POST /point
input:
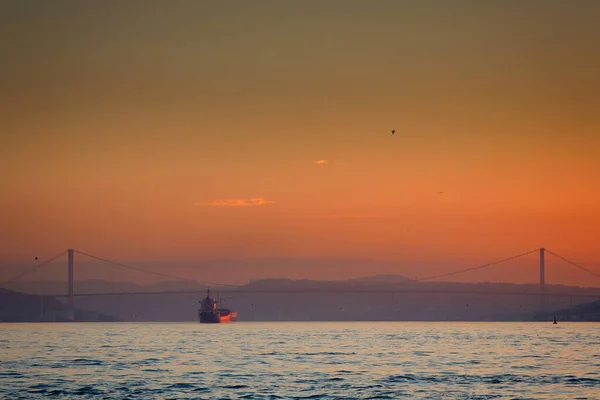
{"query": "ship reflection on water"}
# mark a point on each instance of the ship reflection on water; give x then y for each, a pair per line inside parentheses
(212, 312)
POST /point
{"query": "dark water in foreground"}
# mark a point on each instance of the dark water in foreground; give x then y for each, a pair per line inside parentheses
(300, 360)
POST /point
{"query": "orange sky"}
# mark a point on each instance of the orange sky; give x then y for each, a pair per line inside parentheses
(145, 131)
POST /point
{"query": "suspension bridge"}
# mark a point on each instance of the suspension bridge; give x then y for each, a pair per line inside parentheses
(397, 288)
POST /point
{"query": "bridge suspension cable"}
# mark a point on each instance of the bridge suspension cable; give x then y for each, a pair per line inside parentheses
(239, 286)
(596, 274)
(35, 268)
(151, 272)
(429, 278)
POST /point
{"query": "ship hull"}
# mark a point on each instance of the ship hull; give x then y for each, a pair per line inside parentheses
(209, 318)
(225, 318)
(214, 318)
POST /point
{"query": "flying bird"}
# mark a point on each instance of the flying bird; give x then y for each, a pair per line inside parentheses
(440, 192)
(36, 258)
(393, 131)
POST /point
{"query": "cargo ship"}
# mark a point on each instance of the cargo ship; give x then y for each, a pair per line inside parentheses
(210, 311)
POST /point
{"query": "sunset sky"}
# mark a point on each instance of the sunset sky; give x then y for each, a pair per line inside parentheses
(170, 132)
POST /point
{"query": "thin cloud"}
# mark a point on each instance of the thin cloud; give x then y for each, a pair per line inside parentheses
(320, 162)
(254, 201)
(349, 216)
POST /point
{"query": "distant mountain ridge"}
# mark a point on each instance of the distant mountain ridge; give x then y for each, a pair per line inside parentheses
(103, 286)
(371, 282)
(376, 297)
(589, 311)
(100, 286)
(21, 307)
(389, 278)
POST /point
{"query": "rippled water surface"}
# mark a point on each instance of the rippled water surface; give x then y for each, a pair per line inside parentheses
(300, 360)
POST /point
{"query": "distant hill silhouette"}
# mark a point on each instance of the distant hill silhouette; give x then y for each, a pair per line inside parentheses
(99, 286)
(382, 279)
(581, 312)
(376, 297)
(21, 307)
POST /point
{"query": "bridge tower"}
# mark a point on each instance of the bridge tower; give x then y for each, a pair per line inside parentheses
(542, 278)
(71, 257)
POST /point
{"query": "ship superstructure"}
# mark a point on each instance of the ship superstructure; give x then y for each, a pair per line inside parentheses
(211, 312)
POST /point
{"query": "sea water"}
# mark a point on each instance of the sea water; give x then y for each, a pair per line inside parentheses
(300, 360)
